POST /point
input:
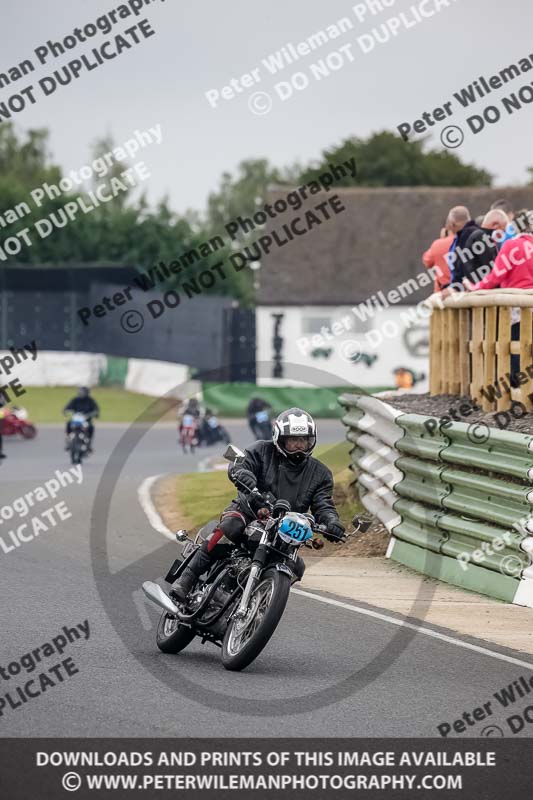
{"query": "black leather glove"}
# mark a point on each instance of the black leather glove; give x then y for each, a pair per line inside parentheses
(244, 478)
(335, 532)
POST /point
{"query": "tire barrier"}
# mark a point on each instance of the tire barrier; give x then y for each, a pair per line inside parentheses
(458, 505)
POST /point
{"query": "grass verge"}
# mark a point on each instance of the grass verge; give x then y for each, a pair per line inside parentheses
(46, 403)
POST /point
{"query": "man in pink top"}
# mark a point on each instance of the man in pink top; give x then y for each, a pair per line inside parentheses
(435, 256)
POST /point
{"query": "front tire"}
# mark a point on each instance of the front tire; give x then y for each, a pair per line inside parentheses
(171, 636)
(75, 451)
(245, 639)
(29, 431)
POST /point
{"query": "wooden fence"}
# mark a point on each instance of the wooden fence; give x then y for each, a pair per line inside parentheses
(471, 346)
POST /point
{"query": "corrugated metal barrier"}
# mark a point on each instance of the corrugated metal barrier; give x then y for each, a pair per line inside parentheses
(458, 502)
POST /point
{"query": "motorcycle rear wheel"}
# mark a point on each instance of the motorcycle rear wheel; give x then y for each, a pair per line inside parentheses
(171, 636)
(245, 639)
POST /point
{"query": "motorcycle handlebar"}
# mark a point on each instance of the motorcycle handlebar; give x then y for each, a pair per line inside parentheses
(315, 527)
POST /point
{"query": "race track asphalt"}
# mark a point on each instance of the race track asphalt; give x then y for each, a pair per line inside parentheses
(328, 671)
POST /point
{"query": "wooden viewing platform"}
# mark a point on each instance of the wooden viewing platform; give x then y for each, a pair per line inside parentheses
(471, 347)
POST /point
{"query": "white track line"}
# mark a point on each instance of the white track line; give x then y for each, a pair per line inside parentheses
(425, 631)
(157, 523)
(145, 499)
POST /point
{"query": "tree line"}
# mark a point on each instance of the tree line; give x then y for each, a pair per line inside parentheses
(128, 231)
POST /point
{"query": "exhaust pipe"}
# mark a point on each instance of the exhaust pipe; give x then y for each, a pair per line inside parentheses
(156, 594)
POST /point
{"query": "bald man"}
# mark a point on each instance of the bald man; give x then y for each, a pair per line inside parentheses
(501, 223)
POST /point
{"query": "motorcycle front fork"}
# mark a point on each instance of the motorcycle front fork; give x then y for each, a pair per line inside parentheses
(253, 578)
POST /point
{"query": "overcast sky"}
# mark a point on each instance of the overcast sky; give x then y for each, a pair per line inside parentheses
(200, 46)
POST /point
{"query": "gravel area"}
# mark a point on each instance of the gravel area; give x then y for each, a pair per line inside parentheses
(441, 404)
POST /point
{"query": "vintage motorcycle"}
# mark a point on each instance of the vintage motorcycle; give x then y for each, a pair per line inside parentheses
(211, 431)
(240, 602)
(14, 422)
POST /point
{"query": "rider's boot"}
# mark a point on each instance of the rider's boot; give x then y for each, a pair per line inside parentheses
(186, 582)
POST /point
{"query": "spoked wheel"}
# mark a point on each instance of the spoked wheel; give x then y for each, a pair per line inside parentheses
(172, 636)
(245, 638)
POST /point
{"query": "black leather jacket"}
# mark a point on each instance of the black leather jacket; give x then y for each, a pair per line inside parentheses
(83, 405)
(306, 486)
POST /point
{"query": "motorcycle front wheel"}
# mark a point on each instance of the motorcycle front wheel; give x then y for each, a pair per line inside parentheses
(246, 638)
(172, 636)
(75, 451)
(29, 431)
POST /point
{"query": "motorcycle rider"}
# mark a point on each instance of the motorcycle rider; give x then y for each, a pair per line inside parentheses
(256, 405)
(211, 431)
(84, 404)
(285, 468)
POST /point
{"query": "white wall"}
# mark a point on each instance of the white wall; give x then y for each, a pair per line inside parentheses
(388, 335)
(157, 378)
(55, 368)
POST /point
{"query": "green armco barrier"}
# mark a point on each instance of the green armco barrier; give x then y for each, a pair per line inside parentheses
(231, 399)
(458, 509)
(460, 546)
(486, 497)
(420, 535)
(422, 481)
(445, 568)
(418, 525)
(474, 533)
(504, 452)
(417, 440)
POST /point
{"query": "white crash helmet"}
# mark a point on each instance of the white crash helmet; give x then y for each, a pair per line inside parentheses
(294, 422)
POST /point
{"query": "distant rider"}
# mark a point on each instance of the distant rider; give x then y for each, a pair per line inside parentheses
(285, 468)
(256, 405)
(84, 404)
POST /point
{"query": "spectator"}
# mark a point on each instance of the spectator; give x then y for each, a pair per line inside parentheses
(435, 256)
(476, 258)
(501, 226)
(513, 269)
(461, 225)
(510, 231)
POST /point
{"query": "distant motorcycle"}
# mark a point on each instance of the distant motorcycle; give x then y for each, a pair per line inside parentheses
(261, 424)
(211, 432)
(14, 421)
(79, 440)
(188, 434)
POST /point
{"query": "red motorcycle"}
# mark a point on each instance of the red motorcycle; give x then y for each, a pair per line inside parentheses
(188, 433)
(15, 421)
